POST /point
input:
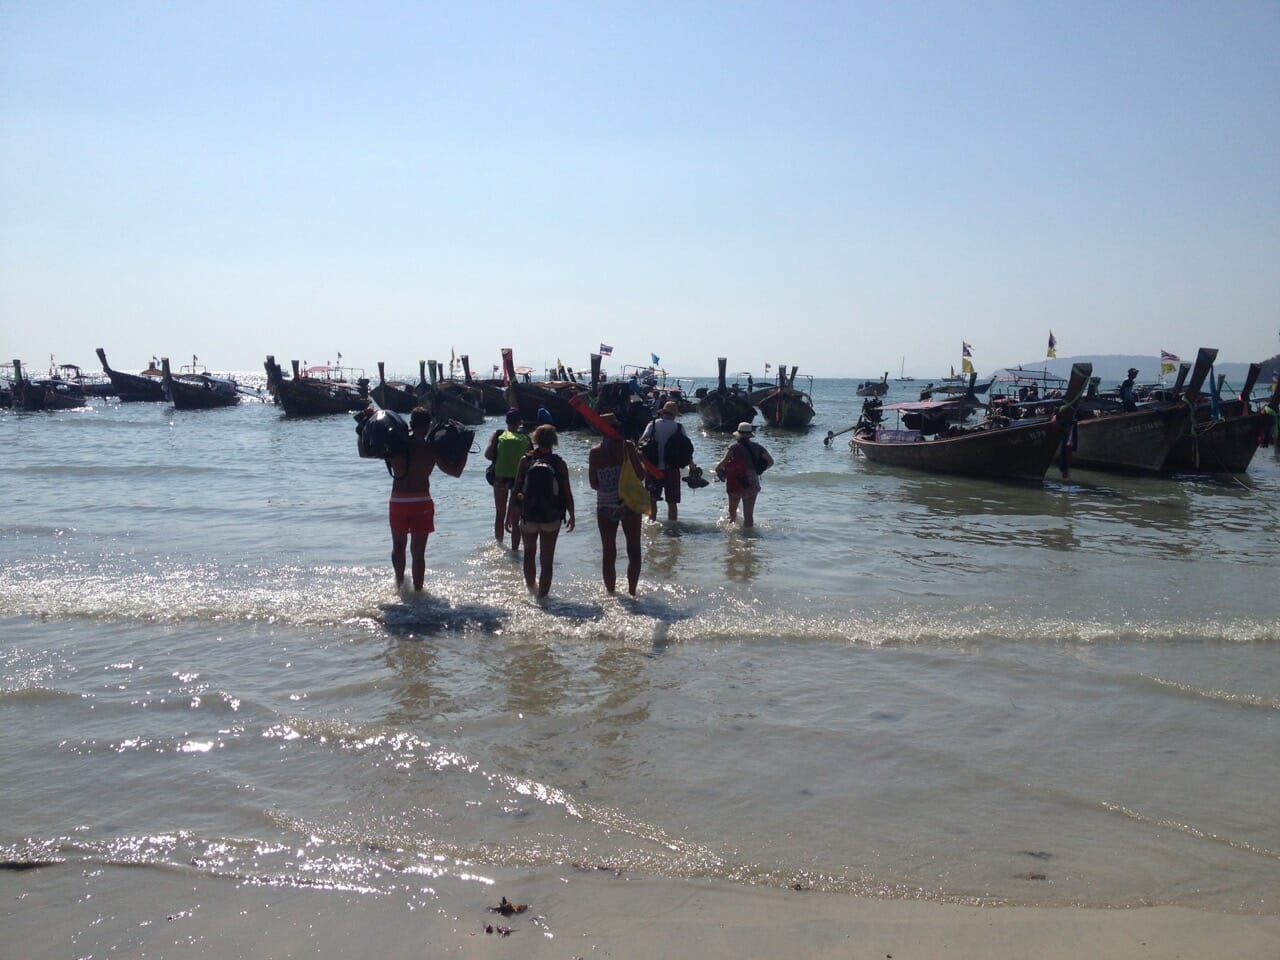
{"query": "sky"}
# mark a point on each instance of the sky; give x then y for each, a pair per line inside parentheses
(849, 187)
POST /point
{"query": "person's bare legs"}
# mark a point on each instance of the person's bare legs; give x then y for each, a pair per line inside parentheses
(749, 508)
(733, 507)
(500, 495)
(398, 541)
(418, 550)
(530, 557)
(547, 552)
(609, 552)
(631, 530)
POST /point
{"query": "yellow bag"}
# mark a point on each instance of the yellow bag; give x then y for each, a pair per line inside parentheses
(631, 489)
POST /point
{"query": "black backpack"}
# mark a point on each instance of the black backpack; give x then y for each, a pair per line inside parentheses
(758, 462)
(541, 501)
(679, 449)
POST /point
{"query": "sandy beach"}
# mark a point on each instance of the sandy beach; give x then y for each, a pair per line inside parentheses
(61, 910)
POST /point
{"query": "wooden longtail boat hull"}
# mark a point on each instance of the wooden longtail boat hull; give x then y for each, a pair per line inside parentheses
(1136, 440)
(306, 397)
(393, 396)
(130, 387)
(1218, 446)
(445, 405)
(197, 391)
(782, 407)
(1022, 451)
(314, 396)
(527, 398)
(27, 394)
(493, 396)
(724, 410)
(45, 395)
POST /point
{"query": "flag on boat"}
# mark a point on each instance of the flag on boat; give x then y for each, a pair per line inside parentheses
(1168, 361)
(507, 362)
(1053, 345)
(606, 350)
(766, 368)
(656, 359)
(966, 350)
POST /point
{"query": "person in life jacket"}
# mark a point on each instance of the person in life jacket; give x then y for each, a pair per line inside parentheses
(412, 511)
(505, 449)
(543, 501)
(674, 452)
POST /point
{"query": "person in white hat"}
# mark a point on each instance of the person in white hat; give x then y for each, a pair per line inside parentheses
(740, 468)
(661, 429)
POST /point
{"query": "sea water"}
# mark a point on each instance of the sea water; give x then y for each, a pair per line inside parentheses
(897, 685)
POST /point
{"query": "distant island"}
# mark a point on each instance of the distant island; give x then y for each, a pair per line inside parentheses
(1115, 367)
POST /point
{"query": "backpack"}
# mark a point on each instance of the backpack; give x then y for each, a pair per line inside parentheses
(648, 448)
(541, 492)
(758, 463)
(679, 449)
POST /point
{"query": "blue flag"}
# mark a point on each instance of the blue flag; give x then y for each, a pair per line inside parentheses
(656, 359)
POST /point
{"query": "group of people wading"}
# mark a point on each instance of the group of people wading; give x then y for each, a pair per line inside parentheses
(533, 492)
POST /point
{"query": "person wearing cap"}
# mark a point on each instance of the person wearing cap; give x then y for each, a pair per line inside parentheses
(1126, 390)
(505, 450)
(740, 469)
(661, 429)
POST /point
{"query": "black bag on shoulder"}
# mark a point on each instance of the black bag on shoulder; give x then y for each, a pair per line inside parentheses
(452, 443)
(678, 452)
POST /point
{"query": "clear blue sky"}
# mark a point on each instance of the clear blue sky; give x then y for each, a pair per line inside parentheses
(832, 185)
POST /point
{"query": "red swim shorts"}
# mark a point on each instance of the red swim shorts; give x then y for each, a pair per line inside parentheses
(416, 515)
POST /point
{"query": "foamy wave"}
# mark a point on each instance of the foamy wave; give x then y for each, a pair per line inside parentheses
(491, 599)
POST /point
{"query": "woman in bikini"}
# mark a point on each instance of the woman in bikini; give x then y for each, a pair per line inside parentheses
(604, 468)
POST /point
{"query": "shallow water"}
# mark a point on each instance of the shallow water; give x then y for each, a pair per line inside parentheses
(897, 684)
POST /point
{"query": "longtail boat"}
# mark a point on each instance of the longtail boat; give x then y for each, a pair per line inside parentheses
(493, 396)
(197, 390)
(316, 391)
(132, 387)
(449, 400)
(874, 388)
(43, 394)
(996, 448)
(785, 406)
(395, 395)
(1110, 437)
(1223, 435)
(529, 397)
(722, 408)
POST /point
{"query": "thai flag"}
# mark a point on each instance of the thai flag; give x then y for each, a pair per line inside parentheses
(965, 349)
(1053, 345)
(1167, 357)
(606, 350)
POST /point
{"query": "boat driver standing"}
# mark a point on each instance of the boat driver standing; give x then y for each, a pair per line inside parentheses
(412, 512)
(1126, 390)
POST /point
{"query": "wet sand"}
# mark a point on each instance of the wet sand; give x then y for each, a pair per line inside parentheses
(69, 910)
